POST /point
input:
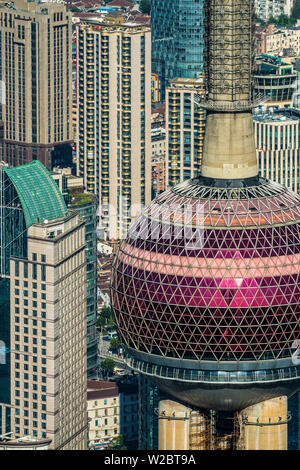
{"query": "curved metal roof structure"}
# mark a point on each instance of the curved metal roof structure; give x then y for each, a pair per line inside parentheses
(38, 192)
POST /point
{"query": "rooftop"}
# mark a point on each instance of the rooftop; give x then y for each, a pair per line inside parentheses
(101, 389)
(81, 199)
(274, 117)
(38, 192)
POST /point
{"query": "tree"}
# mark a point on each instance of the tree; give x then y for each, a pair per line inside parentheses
(145, 6)
(101, 322)
(105, 318)
(115, 344)
(108, 366)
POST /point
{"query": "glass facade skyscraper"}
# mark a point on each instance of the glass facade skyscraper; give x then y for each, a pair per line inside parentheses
(148, 417)
(177, 39)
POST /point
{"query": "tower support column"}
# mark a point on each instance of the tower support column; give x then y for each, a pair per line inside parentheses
(264, 426)
(173, 427)
(182, 428)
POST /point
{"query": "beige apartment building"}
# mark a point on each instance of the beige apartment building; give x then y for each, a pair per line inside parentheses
(54, 281)
(276, 40)
(185, 129)
(103, 412)
(114, 118)
(36, 73)
(43, 303)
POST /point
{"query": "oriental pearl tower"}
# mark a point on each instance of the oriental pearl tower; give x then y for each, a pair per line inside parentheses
(205, 288)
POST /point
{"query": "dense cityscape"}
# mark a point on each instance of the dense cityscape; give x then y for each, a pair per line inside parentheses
(150, 225)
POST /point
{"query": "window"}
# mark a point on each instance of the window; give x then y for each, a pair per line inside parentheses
(17, 268)
(34, 271)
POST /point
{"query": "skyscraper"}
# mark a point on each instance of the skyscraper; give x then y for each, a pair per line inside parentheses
(36, 72)
(205, 288)
(114, 118)
(177, 29)
(43, 311)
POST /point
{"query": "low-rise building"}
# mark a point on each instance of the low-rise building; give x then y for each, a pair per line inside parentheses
(103, 412)
(267, 9)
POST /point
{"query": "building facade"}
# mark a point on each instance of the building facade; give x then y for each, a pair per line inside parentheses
(185, 129)
(177, 39)
(267, 9)
(158, 155)
(129, 411)
(86, 206)
(114, 119)
(43, 304)
(277, 147)
(276, 81)
(148, 416)
(36, 72)
(276, 40)
(103, 411)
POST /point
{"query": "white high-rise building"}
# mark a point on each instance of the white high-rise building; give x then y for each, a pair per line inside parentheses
(114, 118)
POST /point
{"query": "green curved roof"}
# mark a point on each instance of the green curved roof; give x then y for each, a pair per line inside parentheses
(39, 194)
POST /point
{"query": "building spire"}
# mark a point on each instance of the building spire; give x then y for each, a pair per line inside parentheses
(229, 147)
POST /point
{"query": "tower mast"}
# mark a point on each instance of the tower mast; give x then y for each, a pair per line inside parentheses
(229, 147)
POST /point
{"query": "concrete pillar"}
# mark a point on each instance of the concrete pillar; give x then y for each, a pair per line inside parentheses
(264, 426)
(229, 147)
(173, 428)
